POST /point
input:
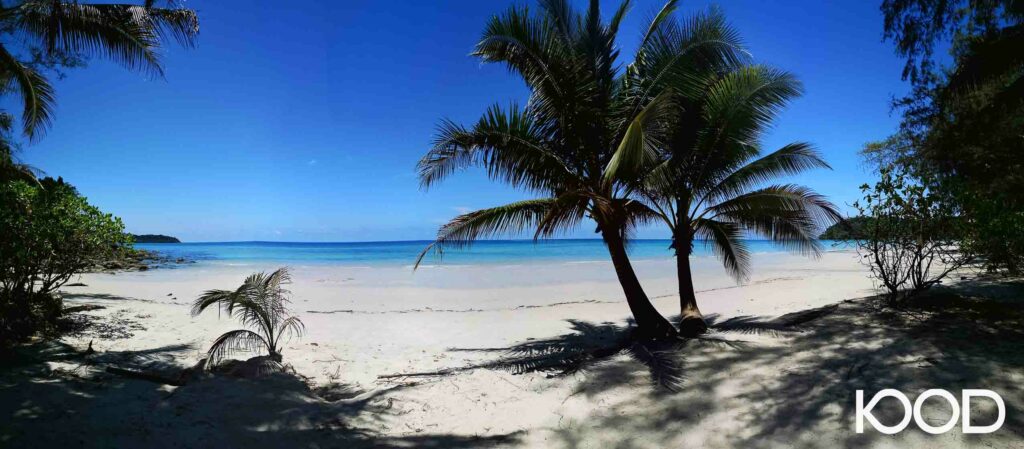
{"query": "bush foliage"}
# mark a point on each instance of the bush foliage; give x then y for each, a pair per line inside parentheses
(912, 239)
(48, 233)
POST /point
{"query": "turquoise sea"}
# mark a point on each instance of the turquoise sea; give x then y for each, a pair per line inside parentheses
(405, 252)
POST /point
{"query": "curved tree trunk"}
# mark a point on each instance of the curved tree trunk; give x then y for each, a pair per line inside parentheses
(650, 323)
(692, 321)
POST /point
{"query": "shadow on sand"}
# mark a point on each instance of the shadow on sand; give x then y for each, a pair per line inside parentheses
(797, 390)
(54, 396)
(751, 383)
(592, 345)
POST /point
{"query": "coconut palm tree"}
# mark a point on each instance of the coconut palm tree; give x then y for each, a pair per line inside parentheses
(259, 303)
(709, 182)
(130, 35)
(559, 146)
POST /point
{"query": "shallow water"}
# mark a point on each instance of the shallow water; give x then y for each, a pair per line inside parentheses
(405, 252)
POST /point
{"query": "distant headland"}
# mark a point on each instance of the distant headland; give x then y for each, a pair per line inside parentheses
(154, 238)
(853, 228)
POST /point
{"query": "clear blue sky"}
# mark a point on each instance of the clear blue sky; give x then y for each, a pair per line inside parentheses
(305, 124)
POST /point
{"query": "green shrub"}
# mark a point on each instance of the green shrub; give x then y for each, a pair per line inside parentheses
(48, 234)
(912, 238)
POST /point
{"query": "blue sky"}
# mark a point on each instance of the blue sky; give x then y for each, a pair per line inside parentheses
(305, 124)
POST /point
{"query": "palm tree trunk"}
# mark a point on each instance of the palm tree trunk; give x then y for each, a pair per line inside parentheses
(650, 324)
(692, 321)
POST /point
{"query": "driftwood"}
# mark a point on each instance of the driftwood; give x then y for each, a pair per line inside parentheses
(142, 375)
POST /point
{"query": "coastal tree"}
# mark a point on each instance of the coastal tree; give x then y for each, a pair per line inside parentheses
(48, 233)
(259, 303)
(560, 145)
(963, 120)
(911, 239)
(708, 181)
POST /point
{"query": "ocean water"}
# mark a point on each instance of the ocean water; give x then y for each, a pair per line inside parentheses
(405, 252)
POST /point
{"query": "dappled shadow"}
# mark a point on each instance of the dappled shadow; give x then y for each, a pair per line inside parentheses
(596, 349)
(587, 346)
(797, 389)
(51, 385)
(593, 348)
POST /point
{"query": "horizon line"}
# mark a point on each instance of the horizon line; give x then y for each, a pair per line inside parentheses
(430, 241)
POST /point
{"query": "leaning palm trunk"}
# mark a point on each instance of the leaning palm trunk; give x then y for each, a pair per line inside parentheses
(650, 324)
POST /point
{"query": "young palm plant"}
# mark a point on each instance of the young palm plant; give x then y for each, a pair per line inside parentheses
(57, 31)
(709, 182)
(561, 143)
(259, 303)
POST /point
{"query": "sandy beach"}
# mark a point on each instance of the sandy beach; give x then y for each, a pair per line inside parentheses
(739, 389)
(382, 320)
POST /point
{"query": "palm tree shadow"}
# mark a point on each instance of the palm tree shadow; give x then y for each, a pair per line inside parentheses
(587, 347)
(592, 346)
(756, 325)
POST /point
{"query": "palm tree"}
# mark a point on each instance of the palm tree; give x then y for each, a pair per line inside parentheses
(560, 145)
(60, 30)
(708, 181)
(260, 303)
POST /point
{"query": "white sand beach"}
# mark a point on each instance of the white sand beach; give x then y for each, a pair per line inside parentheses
(384, 320)
(790, 389)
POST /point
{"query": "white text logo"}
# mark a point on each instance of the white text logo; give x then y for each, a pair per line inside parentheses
(963, 408)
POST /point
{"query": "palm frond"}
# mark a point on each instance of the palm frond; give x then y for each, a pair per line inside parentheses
(219, 298)
(726, 241)
(510, 218)
(663, 16)
(525, 44)
(790, 215)
(743, 103)
(681, 56)
(565, 212)
(791, 159)
(508, 145)
(616, 20)
(560, 14)
(638, 215)
(37, 96)
(638, 148)
(127, 34)
(231, 342)
(292, 326)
